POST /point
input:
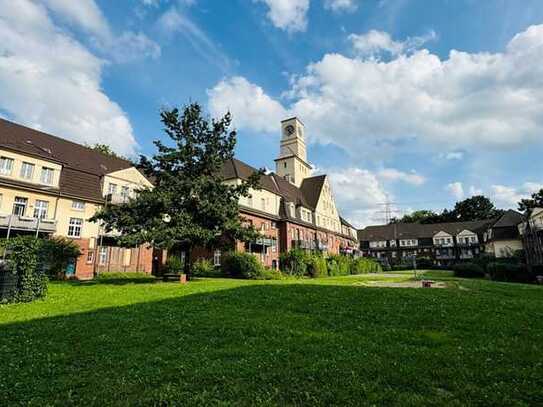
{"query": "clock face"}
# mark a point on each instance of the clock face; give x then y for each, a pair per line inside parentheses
(290, 129)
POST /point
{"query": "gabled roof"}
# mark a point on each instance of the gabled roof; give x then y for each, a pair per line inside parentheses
(510, 218)
(82, 167)
(419, 231)
(344, 222)
(36, 143)
(236, 169)
(311, 189)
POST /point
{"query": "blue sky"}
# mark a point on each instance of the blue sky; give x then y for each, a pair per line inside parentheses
(418, 102)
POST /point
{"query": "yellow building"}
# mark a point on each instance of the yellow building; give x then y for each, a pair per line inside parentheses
(50, 186)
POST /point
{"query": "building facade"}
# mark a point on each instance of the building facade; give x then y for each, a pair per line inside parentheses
(292, 208)
(441, 243)
(52, 187)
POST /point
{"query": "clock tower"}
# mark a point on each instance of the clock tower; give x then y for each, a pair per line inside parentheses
(292, 162)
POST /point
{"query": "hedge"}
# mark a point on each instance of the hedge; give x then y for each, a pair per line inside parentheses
(503, 271)
(468, 270)
(23, 261)
(245, 265)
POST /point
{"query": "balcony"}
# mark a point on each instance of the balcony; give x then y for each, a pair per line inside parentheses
(117, 199)
(17, 222)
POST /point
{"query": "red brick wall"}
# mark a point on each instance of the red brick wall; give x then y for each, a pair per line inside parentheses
(83, 270)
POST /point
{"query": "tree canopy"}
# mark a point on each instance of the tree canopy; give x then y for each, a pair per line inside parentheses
(536, 201)
(190, 203)
(477, 207)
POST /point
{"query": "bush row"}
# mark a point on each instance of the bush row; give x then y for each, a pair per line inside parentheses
(298, 263)
(497, 270)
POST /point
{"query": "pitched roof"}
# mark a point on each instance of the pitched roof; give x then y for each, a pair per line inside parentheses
(510, 218)
(82, 167)
(311, 189)
(417, 230)
(36, 143)
(234, 168)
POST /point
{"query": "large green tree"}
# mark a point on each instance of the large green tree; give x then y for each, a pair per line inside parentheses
(477, 207)
(190, 204)
(536, 201)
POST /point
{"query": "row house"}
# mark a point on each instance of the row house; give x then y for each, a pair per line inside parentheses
(292, 208)
(503, 239)
(51, 187)
(443, 243)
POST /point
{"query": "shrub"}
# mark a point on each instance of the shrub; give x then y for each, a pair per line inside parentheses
(468, 270)
(316, 266)
(294, 263)
(425, 263)
(56, 253)
(23, 261)
(205, 268)
(243, 265)
(402, 267)
(363, 265)
(503, 271)
(124, 278)
(174, 265)
(339, 265)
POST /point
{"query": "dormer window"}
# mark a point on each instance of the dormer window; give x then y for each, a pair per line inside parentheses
(27, 170)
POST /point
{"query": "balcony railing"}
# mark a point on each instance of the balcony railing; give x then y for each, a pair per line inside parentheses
(17, 222)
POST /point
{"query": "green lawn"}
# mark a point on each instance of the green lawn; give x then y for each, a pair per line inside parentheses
(315, 342)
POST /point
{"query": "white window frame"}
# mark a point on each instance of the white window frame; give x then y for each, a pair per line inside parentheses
(78, 205)
(19, 200)
(27, 170)
(102, 256)
(125, 192)
(263, 204)
(47, 175)
(75, 227)
(41, 208)
(217, 258)
(112, 188)
(6, 165)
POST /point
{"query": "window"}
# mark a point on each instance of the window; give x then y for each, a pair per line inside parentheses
(217, 258)
(27, 170)
(112, 189)
(19, 207)
(284, 165)
(263, 204)
(74, 227)
(40, 209)
(273, 224)
(102, 256)
(125, 193)
(6, 165)
(78, 205)
(47, 175)
(250, 200)
(90, 256)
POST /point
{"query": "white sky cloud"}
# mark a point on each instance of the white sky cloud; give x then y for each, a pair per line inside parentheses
(248, 103)
(456, 189)
(464, 102)
(52, 82)
(287, 15)
(175, 21)
(392, 174)
(341, 5)
(509, 196)
(374, 42)
(359, 195)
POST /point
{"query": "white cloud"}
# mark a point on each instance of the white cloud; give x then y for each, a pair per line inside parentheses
(392, 174)
(249, 105)
(473, 191)
(175, 21)
(418, 102)
(456, 189)
(83, 13)
(52, 82)
(359, 195)
(341, 5)
(508, 196)
(373, 43)
(288, 15)
(86, 15)
(452, 155)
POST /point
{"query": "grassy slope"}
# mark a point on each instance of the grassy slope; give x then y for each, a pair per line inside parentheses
(325, 342)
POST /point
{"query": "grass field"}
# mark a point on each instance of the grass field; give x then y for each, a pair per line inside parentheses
(334, 341)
